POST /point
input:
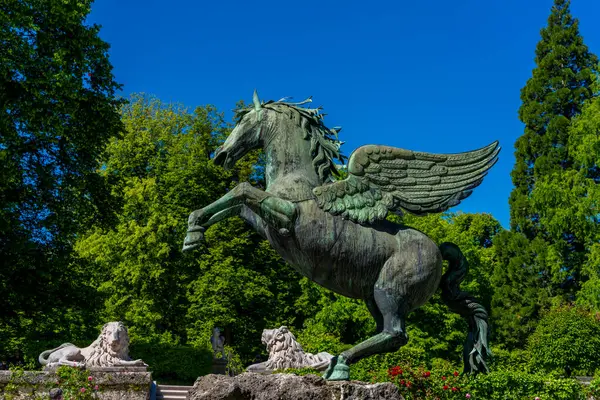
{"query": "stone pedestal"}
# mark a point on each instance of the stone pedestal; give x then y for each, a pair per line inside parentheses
(251, 386)
(219, 366)
(129, 383)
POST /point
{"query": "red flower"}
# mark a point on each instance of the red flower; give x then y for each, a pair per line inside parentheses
(454, 389)
(402, 382)
(445, 387)
(455, 373)
(408, 384)
(427, 374)
(395, 371)
(443, 378)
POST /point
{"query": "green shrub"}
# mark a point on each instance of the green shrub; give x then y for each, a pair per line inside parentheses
(419, 382)
(594, 389)
(517, 385)
(235, 365)
(315, 339)
(566, 339)
(26, 353)
(376, 366)
(173, 364)
(512, 360)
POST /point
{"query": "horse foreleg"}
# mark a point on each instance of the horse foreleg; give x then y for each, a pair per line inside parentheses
(255, 206)
(243, 211)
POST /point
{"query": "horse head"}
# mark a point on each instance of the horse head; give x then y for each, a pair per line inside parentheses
(247, 135)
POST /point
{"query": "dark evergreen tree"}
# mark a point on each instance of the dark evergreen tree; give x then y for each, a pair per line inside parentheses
(555, 93)
(539, 261)
(57, 111)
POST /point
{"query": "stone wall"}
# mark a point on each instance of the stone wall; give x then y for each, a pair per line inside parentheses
(113, 383)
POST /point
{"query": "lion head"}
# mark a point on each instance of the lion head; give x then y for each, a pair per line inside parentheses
(111, 346)
(283, 348)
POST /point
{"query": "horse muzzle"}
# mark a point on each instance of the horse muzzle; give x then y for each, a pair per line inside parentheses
(221, 158)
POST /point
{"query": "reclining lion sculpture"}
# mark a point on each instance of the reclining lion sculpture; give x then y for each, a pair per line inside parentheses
(111, 349)
(286, 352)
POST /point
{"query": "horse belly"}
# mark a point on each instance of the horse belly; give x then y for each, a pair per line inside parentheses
(335, 253)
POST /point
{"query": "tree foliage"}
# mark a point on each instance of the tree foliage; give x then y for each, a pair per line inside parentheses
(160, 171)
(554, 204)
(57, 112)
(95, 193)
(566, 340)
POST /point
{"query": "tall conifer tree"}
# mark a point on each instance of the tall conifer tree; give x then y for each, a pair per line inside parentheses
(540, 259)
(560, 84)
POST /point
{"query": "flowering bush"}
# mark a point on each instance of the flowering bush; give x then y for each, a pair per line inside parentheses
(76, 384)
(419, 383)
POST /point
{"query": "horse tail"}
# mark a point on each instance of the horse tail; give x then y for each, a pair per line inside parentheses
(43, 358)
(476, 349)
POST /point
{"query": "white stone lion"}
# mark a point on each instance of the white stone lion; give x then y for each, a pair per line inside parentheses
(286, 352)
(111, 349)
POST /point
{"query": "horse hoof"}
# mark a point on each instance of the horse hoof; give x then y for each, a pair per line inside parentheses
(337, 370)
(192, 240)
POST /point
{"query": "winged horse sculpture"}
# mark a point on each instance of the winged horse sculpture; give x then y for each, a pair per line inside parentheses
(335, 232)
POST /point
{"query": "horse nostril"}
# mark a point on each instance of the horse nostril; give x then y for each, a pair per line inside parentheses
(220, 157)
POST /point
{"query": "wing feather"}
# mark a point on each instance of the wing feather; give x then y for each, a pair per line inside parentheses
(384, 178)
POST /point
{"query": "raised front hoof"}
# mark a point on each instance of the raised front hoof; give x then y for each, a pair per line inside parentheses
(337, 370)
(193, 239)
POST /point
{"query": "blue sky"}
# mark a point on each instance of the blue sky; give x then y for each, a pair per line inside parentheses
(438, 76)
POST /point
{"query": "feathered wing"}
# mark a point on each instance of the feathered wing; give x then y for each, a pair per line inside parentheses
(384, 178)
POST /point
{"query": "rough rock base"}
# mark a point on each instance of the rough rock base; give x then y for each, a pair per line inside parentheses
(254, 386)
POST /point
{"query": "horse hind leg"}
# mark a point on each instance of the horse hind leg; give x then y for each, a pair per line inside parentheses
(376, 313)
(389, 306)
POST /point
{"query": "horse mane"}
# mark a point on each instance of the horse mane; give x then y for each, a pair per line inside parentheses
(324, 146)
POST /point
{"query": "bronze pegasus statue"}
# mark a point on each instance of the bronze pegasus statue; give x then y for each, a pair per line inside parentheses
(335, 232)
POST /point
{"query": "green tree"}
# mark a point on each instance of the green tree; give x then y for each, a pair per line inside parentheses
(160, 172)
(57, 111)
(559, 86)
(584, 200)
(540, 260)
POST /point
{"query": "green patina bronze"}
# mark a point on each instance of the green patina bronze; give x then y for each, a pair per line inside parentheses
(335, 231)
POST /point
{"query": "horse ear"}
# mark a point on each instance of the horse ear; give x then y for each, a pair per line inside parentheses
(256, 101)
(257, 106)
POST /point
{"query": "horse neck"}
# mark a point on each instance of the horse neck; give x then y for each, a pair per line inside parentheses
(289, 171)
